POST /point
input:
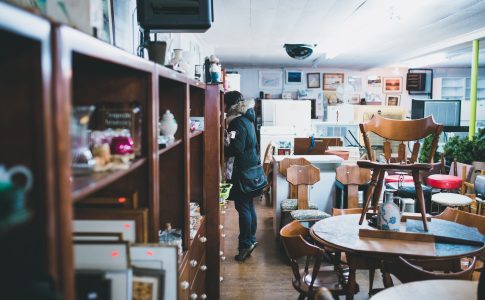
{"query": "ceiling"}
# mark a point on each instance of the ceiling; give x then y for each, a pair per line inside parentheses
(351, 34)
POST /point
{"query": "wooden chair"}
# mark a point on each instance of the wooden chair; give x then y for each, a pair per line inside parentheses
(407, 272)
(291, 203)
(303, 177)
(320, 145)
(309, 279)
(351, 177)
(403, 131)
(268, 171)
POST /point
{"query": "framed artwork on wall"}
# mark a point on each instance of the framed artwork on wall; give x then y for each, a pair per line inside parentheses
(270, 79)
(374, 81)
(393, 100)
(294, 77)
(392, 85)
(332, 80)
(313, 80)
(355, 82)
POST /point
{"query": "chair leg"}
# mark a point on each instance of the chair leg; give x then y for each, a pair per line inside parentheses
(419, 193)
(378, 191)
(372, 272)
(370, 194)
(301, 297)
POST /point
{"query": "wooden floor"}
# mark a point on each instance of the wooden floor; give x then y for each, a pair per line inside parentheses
(265, 274)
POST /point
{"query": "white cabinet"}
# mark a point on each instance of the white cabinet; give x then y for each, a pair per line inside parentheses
(465, 112)
(449, 88)
(456, 88)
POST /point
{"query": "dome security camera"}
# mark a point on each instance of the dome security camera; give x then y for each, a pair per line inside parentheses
(299, 51)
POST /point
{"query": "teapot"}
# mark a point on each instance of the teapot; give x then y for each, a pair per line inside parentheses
(12, 196)
(389, 215)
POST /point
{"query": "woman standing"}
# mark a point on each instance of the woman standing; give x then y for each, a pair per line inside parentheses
(241, 144)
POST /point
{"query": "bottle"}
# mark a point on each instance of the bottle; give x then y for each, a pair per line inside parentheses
(389, 213)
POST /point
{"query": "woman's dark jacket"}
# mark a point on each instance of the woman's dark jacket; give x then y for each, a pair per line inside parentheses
(243, 146)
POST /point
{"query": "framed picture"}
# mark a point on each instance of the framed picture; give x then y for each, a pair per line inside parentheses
(148, 284)
(102, 255)
(92, 283)
(392, 85)
(313, 80)
(355, 99)
(97, 236)
(138, 215)
(127, 228)
(374, 81)
(294, 77)
(107, 30)
(393, 100)
(158, 257)
(332, 80)
(355, 82)
(270, 79)
(110, 199)
(286, 95)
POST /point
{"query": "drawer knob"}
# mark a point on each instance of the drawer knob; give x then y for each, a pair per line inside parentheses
(221, 226)
(184, 284)
(223, 258)
(203, 239)
(193, 263)
(223, 235)
(223, 212)
(221, 279)
(203, 296)
(193, 296)
(221, 253)
(203, 268)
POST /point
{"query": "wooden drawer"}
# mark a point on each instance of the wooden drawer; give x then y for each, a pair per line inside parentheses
(184, 282)
(197, 251)
(198, 285)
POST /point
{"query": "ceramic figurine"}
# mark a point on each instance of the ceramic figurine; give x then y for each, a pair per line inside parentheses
(168, 125)
(389, 213)
(83, 161)
(178, 62)
(215, 69)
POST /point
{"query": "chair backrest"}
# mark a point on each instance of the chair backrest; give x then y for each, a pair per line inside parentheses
(296, 247)
(403, 131)
(464, 218)
(346, 211)
(288, 162)
(407, 272)
(302, 177)
(352, 177)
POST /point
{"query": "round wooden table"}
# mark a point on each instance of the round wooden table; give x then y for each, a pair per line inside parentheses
(431, 289)
(341, 233)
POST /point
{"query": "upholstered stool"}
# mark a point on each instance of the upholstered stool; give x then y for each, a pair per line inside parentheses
(407, 190)
(445, 182)
(451, 199)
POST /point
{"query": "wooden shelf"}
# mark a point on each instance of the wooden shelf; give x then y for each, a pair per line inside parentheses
(83, 186)
(196, 133)
(170, 146)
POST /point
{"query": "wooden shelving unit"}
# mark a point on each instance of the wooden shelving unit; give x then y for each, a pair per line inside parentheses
(52, 69)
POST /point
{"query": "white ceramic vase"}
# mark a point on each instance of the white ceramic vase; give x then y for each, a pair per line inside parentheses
(178, 62)
(389, 214)
(168, 125)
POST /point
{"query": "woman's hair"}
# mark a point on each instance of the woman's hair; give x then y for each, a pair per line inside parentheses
(232, 97)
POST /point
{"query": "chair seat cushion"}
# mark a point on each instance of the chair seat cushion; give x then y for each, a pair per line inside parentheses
(308, 214)
(450, 199)
(442, 181)
(292, 204)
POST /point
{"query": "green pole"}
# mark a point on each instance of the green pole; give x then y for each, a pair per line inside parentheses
(473, 90)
